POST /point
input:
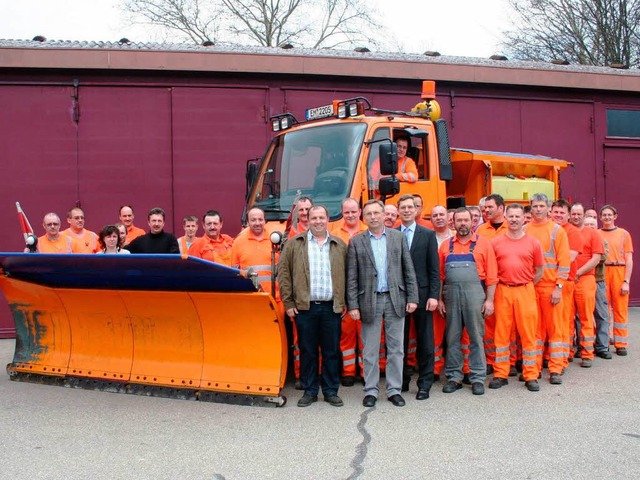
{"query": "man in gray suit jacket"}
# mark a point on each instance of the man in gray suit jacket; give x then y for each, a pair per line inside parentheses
(381, 283)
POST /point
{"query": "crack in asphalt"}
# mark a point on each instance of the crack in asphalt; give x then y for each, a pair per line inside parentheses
(362, 447)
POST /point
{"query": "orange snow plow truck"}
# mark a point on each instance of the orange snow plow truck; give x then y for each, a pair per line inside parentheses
(182, 327)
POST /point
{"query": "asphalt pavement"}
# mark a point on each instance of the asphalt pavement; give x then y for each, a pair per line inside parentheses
(589, 427)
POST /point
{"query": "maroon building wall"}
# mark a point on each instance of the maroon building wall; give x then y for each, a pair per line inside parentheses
(181, 142)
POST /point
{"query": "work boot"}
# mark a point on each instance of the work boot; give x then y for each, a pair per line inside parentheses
(621, 352)
(606, 354)
(555, 379)
(498, 382)
(333, 400)
(348, 381)
(307, 400)
(298, 384)
(586, 363)
(578, 354)
(532, 386)
(513, 371)
(451, 387)
(477, 388)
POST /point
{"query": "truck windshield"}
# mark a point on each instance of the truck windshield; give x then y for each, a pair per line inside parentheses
(319, 162)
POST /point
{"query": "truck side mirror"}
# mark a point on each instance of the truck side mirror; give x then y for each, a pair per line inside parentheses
(388, 153)
(251, 175)
(389, 186)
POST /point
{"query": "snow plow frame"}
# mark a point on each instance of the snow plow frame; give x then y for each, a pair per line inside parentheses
(156, 325)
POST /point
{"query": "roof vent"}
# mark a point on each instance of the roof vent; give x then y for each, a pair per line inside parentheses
(501, 58)
(287, 46)
(124, 41)
(430, 53)
(560, 61)
(361, 50)
(208, 43)
(39, 38)
(619, 66)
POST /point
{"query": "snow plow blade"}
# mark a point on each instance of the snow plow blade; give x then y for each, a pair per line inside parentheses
(156, 325)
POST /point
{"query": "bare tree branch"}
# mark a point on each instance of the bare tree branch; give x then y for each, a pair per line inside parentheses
(271, 23)
(591, 32)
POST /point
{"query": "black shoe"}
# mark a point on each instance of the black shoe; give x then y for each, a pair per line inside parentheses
(451, 387)
(307, 400)
(498, 382)
(513, 371)
(532, 386)
(465, 379)
(606, 354)
(298, 385)
(578, 354)
(334, 400)
(369, 401)
(621, 352)
(422, 394)
(348, 381)
(397, 400)
(555, 379)
(570, 359)
(586, 363)
(477, 388)
(489, 369)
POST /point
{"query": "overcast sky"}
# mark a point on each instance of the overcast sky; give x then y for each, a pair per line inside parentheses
(452, 27)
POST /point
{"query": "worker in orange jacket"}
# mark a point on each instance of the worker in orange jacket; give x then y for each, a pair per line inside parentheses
(585, 288)
(214, 245)
(190, 226)
(126, 218)
(560, 215)
(495, 226)
(52, 241)
(555, 248)
(407, 170)
(618, 269)
(350, 337)
(86, 240)
(520, 267)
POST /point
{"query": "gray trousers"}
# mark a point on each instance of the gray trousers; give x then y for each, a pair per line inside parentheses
(601, 315)
(463, 302)
(394, 337)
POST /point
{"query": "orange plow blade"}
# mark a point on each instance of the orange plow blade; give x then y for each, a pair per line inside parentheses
(203, 331)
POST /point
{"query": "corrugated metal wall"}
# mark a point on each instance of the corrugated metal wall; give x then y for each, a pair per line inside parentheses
(165, 141)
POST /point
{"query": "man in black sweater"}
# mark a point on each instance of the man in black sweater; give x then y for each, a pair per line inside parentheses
(157, 240)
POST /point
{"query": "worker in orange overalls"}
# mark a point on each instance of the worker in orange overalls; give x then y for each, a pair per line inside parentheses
(439, 220)
(190, 226)
(87, 241)
(52, 241)
(520, 267)
(126, 218)
(618, 269)
(560, 214)
(555, 248)
(585, 288)
(493, 227)
(214, 246)
(301, 224)
(350, 338)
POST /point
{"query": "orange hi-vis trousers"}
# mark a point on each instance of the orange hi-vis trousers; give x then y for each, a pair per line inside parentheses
(584, 297)
(618, 303)
(439, 325)
(568, 324)
(350, 345)
(412, 358)
(515, 306)
(489, 339)
(550, 330)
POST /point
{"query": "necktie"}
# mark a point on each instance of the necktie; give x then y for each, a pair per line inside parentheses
(407, 233)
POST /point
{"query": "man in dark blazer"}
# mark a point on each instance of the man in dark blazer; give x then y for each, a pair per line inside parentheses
(381, 283)
(423, 246)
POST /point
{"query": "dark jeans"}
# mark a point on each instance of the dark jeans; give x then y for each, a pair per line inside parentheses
(423, 321)
(319, 328)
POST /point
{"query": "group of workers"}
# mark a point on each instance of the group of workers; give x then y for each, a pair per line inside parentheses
(501, 290)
